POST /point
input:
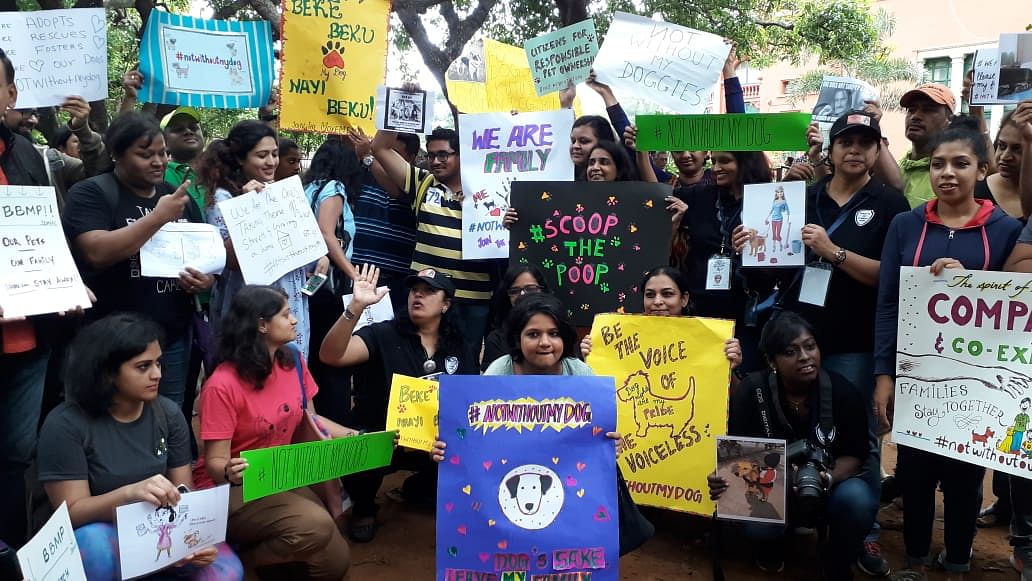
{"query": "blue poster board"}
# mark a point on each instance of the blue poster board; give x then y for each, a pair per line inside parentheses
(217, 64)
(527, 489)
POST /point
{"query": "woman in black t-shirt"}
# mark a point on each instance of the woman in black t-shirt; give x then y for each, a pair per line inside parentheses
(108, 218)
(423, 341)
(116, 442)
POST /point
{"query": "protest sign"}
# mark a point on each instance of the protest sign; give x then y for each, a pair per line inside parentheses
(673, 66)
(671, 389)
(151, 538)
(527, 489)
(280, 468)
(56, 53)
(334, 58)
(273, 231)
(1015, 84)
(986, 77)
(374, 313)
(839, 95)
(593, 240)
(220, 64)
(178, 245)
(408, 111)
(774, 215)
(561, 57)
(412, 411)
(963, 379)
(755, 471)
(497, 149)
(53, 554)
(510, 85)
(39, 275)
(727, 132)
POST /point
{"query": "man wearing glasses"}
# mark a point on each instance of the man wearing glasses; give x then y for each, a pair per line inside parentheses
(437, 201)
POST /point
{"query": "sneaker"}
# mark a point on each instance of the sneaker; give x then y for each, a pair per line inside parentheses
(871, 562)
(362, 530)
(993, 516)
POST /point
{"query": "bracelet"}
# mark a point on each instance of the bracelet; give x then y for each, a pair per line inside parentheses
(348, 315)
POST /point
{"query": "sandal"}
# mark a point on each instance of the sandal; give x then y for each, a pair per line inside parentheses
(991, 516)
(362, 530)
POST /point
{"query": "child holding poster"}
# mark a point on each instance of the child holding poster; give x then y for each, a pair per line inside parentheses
(954, 230)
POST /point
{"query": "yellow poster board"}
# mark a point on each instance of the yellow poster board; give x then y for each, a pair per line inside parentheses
(334, 57)
(412, 411)
(509, 85)
(671, 400)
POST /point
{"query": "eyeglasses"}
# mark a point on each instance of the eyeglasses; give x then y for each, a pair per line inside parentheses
(515, 291)
(440, 155)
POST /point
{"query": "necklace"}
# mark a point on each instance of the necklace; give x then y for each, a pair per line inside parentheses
(796, 406)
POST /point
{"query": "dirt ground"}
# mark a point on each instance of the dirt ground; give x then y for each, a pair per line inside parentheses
(404, 547)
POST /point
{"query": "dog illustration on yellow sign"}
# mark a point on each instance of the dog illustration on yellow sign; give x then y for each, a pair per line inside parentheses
(653, 410)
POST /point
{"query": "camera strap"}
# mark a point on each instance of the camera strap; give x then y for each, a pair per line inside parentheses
(825, 431)
(826, 427)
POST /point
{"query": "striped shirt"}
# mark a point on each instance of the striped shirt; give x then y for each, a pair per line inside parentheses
(439, 237)
(385, 228)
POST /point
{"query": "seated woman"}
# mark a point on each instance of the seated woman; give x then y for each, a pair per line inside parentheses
(115, 441)
(519, 280)
(423, 341)
(786, 401)
(253, 401)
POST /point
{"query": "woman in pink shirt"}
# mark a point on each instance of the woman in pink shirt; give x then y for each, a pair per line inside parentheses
(252, 401)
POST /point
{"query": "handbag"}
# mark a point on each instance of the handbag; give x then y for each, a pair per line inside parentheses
(337, 283)
(635, 529)
(311, 430)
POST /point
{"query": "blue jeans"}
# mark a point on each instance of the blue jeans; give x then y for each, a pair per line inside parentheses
(22, 376)
(98, 544)
(472, 319)
(175, 368)
(850, 511)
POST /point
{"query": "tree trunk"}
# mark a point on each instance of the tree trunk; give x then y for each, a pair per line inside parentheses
(572, 11)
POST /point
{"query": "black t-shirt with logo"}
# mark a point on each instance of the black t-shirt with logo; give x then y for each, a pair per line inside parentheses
(846, 322)
(120, 287)
(393, 351)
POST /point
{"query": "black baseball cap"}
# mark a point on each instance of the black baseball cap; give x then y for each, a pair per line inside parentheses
(437, 280)
(851, 120)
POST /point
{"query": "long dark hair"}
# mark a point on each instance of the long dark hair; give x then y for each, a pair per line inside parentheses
(335, 160)
(625, 168)
(501, 305)
(242, 344)
(96, 356)
(220, 165)
(964, 128)
(779, 332)
(540, 304)
(753, 167)
(675, 274)
(449, 337)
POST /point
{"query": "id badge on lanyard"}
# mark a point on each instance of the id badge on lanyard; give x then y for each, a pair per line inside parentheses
(718, 272)
(816, 280)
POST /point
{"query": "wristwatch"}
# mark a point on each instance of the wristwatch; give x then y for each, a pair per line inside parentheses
(368, 160)
(348, 315)
(840, 256)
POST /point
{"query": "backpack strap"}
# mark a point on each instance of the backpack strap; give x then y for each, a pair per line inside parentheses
(300, 374)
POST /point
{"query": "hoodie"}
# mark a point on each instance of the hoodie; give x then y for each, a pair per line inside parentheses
(919, 238)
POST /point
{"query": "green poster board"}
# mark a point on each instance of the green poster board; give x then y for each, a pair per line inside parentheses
(281, 468)
(729, 132)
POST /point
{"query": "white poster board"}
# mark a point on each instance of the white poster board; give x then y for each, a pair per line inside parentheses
(56, 53)
(963, 379)
(673, 66)
(986, 81)
(273, 231)
(53, 554)
(178, 245)
(38, 274)
(774, 215)
(407, 111)
(374, 313)
(151, 538)
(496, 149)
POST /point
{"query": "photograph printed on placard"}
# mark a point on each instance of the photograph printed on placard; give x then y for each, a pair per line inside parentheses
(1015, 67)
(470, 64)
(405, 111)
(773, 215)
(755, 472)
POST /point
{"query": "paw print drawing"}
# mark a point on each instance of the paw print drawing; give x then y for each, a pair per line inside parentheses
(401, 408)
(580, 260)
(622, 297)
(615, 242)
(547, 263)
(580, 208)
(524, 261)
(636, 247)
(633, 228)
(612, 201)
(555, 248)
(604, 287)
(585, 306)
(332, 55)
(620, 267)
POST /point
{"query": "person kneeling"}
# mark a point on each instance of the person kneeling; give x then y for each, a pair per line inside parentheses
(821, 415)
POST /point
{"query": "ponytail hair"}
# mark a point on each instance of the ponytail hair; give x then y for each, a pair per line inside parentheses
(967, 129)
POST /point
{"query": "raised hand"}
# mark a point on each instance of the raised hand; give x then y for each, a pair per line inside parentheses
(365, 291)
(78, 108)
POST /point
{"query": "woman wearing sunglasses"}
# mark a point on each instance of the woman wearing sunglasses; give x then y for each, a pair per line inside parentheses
(519, 280)
(423, 340)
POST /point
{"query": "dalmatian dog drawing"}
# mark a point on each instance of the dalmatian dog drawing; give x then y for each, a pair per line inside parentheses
(531, 496)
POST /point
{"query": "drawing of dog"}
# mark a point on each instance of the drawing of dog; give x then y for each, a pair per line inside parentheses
(531, 496)
(637, 389)
(757, 243)
(181, 71)
(984, 437)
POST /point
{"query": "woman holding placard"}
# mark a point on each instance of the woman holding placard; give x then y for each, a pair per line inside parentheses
(422, 341)
(108, 219)
(954, 230)
(116, 441)
(253, 400)
(244, 162)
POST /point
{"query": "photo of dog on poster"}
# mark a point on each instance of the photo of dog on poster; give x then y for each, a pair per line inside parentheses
(755, 472)
(774, 215)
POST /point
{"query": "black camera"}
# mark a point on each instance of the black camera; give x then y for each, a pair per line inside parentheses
(809, 489)
(9, 569)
